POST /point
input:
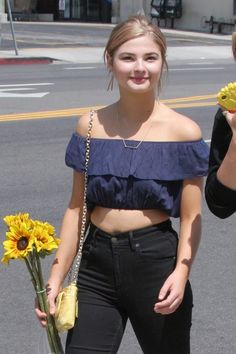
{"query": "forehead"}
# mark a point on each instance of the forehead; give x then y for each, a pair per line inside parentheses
(142, 43)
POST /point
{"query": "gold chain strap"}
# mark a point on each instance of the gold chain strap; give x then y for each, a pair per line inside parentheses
(75, 268)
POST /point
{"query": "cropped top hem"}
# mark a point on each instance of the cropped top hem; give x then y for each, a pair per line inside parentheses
(161, 160)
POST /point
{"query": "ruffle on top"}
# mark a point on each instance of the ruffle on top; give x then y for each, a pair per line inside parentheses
(165, 161)
(149, 177)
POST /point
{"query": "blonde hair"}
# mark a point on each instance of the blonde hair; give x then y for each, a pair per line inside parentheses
(133, 27)
(234, 44)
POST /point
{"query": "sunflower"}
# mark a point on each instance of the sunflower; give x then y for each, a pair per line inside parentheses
(18, 219)
(50, 229)
(18, 244)
(44, 240)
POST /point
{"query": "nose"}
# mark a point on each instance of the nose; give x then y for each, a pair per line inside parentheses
(139, 65)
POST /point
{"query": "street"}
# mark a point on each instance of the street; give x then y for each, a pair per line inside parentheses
(34, 179)
(71, 86)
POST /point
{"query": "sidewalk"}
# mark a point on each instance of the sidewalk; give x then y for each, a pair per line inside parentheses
(88, 54)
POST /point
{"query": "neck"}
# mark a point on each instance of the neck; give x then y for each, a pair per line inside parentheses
(136, 110)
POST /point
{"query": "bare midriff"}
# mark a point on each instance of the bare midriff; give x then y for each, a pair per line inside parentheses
(120, 220)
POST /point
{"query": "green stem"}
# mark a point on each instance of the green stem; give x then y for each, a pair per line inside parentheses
(27, 262)
(52, 332)
(33, 264)
(52, 328)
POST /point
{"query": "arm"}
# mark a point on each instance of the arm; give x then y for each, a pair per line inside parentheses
(172, 292)
(68, 247)
(220, 189)
(70, 228)
(227, 170)
(69, 236)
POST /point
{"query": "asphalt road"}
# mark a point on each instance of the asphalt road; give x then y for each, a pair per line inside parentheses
(33, 178)
(70, 86)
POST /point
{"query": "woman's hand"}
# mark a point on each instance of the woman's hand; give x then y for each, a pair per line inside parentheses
(231, 119)
(171, 294)
(42, 316)
(52, 291)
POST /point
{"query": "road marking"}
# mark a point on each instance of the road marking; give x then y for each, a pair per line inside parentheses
(190, 98)
(81, 68)
(32, 84)
(22, 95)
(18, 89)
(202, 63)
(76, 112)
(196, 69)
(181, 102)
(62, 113)
(6, 90)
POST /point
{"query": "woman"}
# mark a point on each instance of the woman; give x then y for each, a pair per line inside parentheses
(146, 165)
(220, 189)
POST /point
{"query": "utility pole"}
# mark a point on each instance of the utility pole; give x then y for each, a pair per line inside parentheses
(11, 24)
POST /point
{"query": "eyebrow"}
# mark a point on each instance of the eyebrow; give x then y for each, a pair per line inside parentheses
(151, 53)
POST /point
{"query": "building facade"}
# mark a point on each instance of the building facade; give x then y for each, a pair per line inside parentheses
(200, 15)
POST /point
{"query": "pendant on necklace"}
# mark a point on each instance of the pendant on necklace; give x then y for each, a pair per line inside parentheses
(131, 146)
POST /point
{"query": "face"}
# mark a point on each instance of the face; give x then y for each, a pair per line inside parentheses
(137, 65)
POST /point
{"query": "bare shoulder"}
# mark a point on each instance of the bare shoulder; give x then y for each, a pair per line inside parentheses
(101, 122)
(82, 124)
(185, 128)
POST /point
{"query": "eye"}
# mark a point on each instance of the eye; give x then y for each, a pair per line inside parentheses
(151, 58)
(127, 58)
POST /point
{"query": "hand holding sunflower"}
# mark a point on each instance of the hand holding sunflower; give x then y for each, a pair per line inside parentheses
(29, 240)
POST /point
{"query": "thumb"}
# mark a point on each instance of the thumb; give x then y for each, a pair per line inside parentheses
(164, 291)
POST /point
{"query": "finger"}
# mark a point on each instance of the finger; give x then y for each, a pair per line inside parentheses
(160, 306)
(175, 304)
(169, 306)
(166, 311)
(40, 313)
(42, 317)
(165, 303)
(38, 310)
(52, 306)
(224, 113)
(164, 292)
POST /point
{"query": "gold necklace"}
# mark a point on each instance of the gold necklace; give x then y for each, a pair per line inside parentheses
(126, 145)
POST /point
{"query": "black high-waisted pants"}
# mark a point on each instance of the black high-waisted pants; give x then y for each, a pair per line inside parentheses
(120, 277)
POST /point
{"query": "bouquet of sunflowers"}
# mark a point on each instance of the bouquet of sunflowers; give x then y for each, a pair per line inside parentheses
(29, 240)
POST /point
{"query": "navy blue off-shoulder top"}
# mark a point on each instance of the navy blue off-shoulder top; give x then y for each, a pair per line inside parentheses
(149, 177)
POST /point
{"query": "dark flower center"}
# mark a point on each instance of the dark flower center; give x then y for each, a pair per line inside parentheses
(22, 243)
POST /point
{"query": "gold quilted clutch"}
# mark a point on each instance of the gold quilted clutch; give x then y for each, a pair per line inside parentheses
(66, 308)
(226, 97)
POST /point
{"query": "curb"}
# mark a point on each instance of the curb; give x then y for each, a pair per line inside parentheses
(25, 60)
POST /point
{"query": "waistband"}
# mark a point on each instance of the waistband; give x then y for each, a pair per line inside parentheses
(163, 226)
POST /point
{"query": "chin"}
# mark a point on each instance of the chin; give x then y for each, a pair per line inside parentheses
(140, 89)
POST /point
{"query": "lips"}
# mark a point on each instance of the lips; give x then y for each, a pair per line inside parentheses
(139, 80)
